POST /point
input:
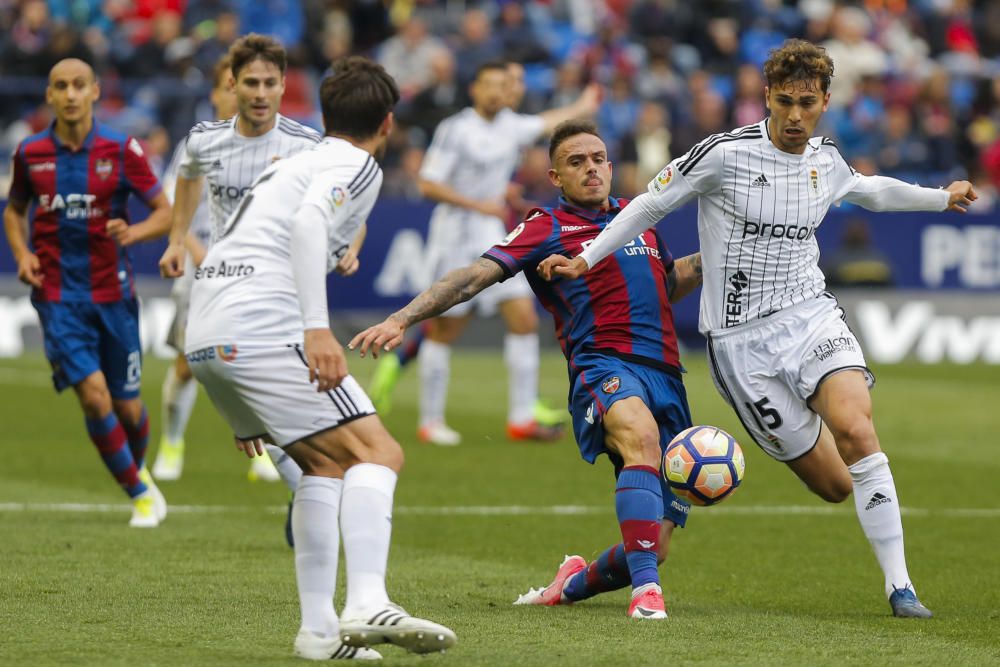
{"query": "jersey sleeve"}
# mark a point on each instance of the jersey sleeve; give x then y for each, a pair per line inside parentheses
(442, 155)
(138, 174)
(169, 180)
(526, 245)
(527, 128)
(188, 165)
(881, 193)
(20, 184)
(697, 172)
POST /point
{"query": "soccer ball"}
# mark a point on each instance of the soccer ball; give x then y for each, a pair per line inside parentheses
(703, 464)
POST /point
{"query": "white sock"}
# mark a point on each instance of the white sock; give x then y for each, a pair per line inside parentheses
(178, 401)
(289, 470)
(317, 546)
(520, 352)
(366, 524)
(435, 368)
(877, 505)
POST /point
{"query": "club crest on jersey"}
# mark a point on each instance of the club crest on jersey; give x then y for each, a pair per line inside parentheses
(339, 195)
(663, 178)
(226, 352)
(814, 179)
(513, 234)
(103, 168)
(612, 385)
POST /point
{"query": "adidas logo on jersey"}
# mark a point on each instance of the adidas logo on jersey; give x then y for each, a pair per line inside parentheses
(760, 182)
(877, 499)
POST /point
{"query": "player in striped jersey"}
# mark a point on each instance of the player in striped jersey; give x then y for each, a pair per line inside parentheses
(259, 337)
(617, 332)
(77, 177)
(779, 348)
(227, 155)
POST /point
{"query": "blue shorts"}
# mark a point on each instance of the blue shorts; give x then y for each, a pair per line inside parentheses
(82, 338)
(597, 381)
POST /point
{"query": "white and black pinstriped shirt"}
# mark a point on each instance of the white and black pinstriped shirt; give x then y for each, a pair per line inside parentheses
(758, 211)
(230, 162)
(244, 291)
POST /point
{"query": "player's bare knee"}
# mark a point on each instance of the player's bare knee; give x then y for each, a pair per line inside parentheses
(95, 399)
(856, 439)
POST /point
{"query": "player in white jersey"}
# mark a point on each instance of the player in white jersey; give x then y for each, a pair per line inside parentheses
(179, 388)
(467, 170)
(779, 349)
(229, 154)
(259, 341)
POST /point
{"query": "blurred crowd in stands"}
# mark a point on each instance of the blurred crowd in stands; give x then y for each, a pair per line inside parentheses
(916, 91)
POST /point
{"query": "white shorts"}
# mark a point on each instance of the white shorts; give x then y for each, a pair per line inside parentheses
(266, 391)
(455, 242)
(769, 369)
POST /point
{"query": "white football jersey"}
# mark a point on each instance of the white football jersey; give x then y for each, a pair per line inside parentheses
(231, 162)
(244, 291)
(758, 212)
(477, 157)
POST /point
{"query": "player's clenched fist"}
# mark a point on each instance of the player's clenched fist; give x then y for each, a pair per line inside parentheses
(172, 262)
(121, 232)
(325, 356)
(960, 195)
(386, 335)
(560, 266)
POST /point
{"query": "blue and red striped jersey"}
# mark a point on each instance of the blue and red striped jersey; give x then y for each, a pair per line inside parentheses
(74, 194)
(619, 307)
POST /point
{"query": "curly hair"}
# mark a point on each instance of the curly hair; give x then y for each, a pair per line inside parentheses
(798, 60)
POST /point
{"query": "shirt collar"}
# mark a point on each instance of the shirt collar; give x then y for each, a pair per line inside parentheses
(88, 141)
(586, 213)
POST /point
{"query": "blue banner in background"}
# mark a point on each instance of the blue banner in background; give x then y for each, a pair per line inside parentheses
(926, 252)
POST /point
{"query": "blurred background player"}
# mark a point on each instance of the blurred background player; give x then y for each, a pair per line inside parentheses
(626, 395)
(389, 368)
(230, 154)
(466, 170)
(79, 174)
(779, 348)
(258, 339)
(179, 387)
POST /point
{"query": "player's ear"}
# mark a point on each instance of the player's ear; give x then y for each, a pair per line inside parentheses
(554, 178)
(387, 124)
(767, 97)
(826, 101)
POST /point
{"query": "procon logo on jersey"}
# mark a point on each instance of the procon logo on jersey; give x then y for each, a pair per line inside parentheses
(794, 232)
(224, 270)
(76, 205)
(227, 191)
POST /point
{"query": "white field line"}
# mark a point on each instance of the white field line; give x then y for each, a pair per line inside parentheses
(514, 510)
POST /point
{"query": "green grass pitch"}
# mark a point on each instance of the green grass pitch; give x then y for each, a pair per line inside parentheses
(772, 576)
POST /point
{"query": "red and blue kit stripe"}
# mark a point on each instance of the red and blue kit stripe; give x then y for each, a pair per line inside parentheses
(619, 307)
(74, 194)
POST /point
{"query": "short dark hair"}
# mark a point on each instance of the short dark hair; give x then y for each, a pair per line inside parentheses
(253, 47)
(567, 129)
(490, 65)
(222, 70)
(357, 97)
(798, 60)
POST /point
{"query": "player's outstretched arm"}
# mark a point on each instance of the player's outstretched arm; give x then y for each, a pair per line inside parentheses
(456, 286)
(685, 277)
(187, 194)
(585, 106)
(445, 194)
(15, 225)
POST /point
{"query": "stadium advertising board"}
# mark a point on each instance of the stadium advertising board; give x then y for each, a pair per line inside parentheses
(945, 305)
